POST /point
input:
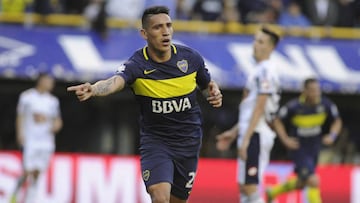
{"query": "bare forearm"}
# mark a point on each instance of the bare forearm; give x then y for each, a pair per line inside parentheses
(235, 130)
(336, 126)
(19, 125)
(57, 125)
(253, 122)
(19, 130)
(280, 129)
(109, 86)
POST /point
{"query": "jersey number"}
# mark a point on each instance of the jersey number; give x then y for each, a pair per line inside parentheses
(189, 184)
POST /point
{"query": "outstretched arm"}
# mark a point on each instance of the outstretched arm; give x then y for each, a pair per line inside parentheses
(224, 140)
(100, 88)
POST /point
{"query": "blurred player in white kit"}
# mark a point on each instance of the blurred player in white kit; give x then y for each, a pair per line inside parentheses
(38, 119)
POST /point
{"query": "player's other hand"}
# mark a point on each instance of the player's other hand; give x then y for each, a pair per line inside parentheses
(83, 91)
(242, 152)
(291, 143)
(215, 96)
(224, 140)
(328, 140)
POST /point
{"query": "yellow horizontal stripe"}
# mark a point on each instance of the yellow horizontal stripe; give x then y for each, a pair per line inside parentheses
(307, 121)
(166, 88)
(190, 26)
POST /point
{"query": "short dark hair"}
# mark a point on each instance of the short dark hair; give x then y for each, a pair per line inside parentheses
(309, 81)
(275, 38)
(42, 75)
(153, 11)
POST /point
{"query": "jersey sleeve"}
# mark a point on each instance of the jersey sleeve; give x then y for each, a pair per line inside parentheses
(57, 112)
(265, 82)
(286, 111)
(203, 76)
(21, 106)
(128, 71)
(333, 110)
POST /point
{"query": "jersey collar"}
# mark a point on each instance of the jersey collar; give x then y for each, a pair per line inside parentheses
(147, 57)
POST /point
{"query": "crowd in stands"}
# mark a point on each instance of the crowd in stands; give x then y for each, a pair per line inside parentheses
(300, 13)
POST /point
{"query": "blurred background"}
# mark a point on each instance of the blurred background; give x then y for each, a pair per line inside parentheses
(86, 40)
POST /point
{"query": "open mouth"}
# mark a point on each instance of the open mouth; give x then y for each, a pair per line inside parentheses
(166, 42)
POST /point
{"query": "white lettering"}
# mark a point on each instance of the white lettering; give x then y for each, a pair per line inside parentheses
(171, 106)
(16, 50)
(294, 66)
(355, 185)
(60, 181)
(167, 107)
(187, 104)
(177, 106)
(89, 58)
(10, 169)
(156, 106)
(112, 182)
(331, 66)
(309, 132)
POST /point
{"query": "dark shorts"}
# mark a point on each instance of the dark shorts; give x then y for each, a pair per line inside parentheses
(305, 163)
(252, 162)
(159, 164)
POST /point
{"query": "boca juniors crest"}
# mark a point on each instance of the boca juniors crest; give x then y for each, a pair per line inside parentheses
(182, 65)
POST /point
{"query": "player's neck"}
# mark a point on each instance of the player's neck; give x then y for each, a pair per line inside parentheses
(259, 60)
(158, 56)
(40, 90)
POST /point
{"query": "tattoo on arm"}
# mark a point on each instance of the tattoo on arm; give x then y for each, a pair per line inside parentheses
(104, 87)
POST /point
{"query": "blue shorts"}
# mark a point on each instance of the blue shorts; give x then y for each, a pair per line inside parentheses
(305, 163)
(159, 164)
(306, 158)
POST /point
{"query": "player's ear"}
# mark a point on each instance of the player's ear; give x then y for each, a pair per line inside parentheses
(143, 33)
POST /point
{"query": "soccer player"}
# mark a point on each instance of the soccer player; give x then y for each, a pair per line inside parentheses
(259, 103)
(164, 78)
(303, 125)
(38, 119)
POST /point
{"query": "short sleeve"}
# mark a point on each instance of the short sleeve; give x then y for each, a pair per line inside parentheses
(127, 71)
(334, 112)
(203, 76)
(283, 112)
(266, 82)
(21, 106)
(57, 112)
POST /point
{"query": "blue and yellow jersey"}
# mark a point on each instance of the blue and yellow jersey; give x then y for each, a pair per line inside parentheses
(308, 121)
(167, 92)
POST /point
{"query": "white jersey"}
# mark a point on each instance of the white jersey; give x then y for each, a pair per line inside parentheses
(263, 80)
(38, 111)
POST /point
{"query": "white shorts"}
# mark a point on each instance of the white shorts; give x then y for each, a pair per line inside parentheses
(251, 171)
(36, 158)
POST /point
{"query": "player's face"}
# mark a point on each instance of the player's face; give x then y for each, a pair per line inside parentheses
(262, 46)
(46, 83)
(158, 32)
(313, 92)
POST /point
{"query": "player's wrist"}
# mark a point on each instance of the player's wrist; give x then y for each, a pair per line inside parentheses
(333, 135)
(93, 90)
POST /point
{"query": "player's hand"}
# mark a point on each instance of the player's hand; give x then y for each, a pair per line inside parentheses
(242, 153)
(215, 96)
(328, 140)
(83, 91)
(291, 143)
(20, 140)
(224, 140)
